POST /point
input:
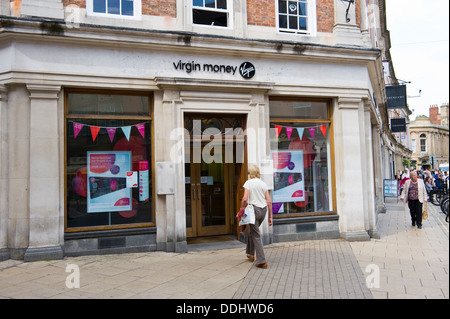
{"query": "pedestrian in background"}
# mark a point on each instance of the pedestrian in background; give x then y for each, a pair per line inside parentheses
(256, 193)
(415, 194)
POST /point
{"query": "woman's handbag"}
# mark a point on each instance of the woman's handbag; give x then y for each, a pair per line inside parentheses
(425, 211)
(248, 217)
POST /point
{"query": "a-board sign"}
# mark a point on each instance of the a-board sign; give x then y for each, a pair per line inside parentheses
(390, 187)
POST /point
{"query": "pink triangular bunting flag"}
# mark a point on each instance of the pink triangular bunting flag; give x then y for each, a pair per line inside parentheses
(111, 132)
(77, 128)
(289, 132)
(141, 128)
(278, 129)
(94, 132)
(312, 131)
(323, 128)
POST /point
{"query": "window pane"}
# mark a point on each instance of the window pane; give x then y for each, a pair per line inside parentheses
(302, 9)
(293, 22)
(221, 4)
(298, 110)
(283, 21)
(300, 158)
(219, 19)
(198, 3)
(210, 3)
(282, 6)
(100, 6)
(108, 104)
(114, 6)
(292, 7)
(302, 22)
(106, 185)
(127, 7)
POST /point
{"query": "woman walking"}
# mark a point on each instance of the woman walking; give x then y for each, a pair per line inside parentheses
(256, 193)
(415, 194)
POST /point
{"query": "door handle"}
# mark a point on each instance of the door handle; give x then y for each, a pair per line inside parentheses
(198, 191)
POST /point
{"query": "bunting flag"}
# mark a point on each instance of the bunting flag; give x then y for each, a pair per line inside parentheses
(312, 130)
(94, 132)
(141, 128)
(126, 130)
(289, 132)
(323, 128)
(111, 132)
(278, 129)
(77, 127)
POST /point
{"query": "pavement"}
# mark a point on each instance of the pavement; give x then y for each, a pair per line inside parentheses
(405, 262)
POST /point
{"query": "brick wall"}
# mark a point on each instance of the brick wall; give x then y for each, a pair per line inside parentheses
(261, 12)
(78, 3)
(325, 15)
(159, 8)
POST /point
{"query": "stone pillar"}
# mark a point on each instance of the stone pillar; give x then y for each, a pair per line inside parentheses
(44, 197)
(4, 251)
(370, 178)
(349, 157)
(170, 207)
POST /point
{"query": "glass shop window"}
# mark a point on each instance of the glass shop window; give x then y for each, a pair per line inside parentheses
(212, 12)
(108, 161)
(301, 154)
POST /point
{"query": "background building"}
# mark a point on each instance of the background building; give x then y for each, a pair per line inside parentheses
(130, 125)
(429, 137)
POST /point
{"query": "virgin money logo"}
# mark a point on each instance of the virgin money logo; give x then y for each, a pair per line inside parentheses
(247, 70)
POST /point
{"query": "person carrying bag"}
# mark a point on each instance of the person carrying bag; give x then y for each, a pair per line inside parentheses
(256, 195)
(415, 194)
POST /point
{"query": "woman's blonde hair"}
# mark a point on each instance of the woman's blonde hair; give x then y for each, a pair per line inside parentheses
(253, 171)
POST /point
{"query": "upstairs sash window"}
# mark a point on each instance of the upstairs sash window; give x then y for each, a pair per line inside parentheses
(214, 13)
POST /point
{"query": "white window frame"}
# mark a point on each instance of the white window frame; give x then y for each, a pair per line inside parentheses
(425, 143)
(229, 11)
(137, 11)
(311, 20)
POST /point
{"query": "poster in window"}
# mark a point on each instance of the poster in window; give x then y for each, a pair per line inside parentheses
(289, 184)
(107, 181)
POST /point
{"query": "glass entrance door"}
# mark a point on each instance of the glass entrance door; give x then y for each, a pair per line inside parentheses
(208, 200)
(215, 145)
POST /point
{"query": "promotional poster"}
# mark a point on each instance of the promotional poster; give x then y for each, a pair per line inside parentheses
(289, 184)
(107, 181)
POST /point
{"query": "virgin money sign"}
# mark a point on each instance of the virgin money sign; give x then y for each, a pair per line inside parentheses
(246, 69)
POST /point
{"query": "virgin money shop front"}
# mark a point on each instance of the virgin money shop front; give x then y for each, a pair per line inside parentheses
(134, 149)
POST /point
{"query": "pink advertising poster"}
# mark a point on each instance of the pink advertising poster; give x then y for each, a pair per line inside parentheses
(289, 184)
(107, 181)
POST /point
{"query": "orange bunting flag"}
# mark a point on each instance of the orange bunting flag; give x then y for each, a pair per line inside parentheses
(323, 128)
(278, 129)
(94, 132)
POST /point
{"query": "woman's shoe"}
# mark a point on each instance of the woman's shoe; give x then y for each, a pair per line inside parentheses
(252, 258)
(263, 266)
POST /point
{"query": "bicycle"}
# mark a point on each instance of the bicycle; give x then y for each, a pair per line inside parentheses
(444, 206)
(436, 195)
